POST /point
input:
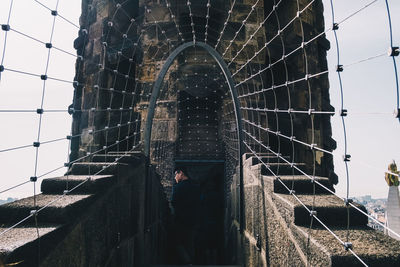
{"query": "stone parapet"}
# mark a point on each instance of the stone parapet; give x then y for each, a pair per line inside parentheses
(277, 229)
(104, 220)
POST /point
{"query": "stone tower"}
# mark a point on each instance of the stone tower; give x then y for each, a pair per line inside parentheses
(125, 46)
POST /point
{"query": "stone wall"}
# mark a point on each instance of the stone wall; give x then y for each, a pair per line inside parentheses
(305, 58)
(278, 231)
(105, 86)
(125, 226)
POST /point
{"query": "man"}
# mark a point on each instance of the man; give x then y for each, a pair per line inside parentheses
(185, 203)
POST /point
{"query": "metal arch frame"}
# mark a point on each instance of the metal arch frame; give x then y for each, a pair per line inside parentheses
(157, 86)
(228, 76)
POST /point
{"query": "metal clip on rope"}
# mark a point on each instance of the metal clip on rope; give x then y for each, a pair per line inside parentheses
(347, 245)
(5, 27)
(313, 213)
(346, 157)
(393, 51)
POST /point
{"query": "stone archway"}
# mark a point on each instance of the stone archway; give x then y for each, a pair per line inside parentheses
(236, 107)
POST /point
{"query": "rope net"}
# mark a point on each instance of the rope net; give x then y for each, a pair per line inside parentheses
(275, 50)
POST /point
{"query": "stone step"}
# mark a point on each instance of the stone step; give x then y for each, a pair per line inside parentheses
(92, 168)
(278, 169)
(116, 157)
(20, 245)
(249, 155)
(136, 154)
(330, 210)
(373, 247)
(267, 159)
(59, 208)
(301, 184)
(282, 169)
(96, 183)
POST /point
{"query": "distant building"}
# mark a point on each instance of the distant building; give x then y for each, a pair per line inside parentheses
(10, 199)
(377, 211)
(376, 208)
(381, 218)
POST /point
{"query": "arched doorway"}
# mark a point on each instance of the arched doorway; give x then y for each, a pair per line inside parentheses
(160, 78)
(200, 115)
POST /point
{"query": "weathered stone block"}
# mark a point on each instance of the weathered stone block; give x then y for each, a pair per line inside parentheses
(241, 11)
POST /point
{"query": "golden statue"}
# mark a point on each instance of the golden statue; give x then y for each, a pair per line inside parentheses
(390, 176)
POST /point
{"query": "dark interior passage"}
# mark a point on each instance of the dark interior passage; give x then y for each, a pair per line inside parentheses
(208, 175)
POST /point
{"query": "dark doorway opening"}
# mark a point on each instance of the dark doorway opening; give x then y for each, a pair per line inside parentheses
(209, 234)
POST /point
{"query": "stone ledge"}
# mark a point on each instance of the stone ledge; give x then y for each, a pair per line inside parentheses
(268, 158)
(91, 168)
(59, 209)
(278, 169)
(250, 155)
(330, 210)
(95, 184)
(322, 249)
(374, 248)
(17, 237)
(20, 245)
(301, 184)
(113, 156)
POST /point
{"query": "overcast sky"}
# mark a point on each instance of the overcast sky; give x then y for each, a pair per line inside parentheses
(24, 92)
(369, 92)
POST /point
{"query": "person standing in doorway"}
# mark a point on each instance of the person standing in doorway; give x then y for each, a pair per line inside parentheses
(185, 203)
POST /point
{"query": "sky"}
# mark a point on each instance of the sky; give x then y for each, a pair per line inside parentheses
(19, 91)
(369, 92)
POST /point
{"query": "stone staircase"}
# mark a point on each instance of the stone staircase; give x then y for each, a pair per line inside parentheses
(95, 216)
(278, 226)
(56, 211)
